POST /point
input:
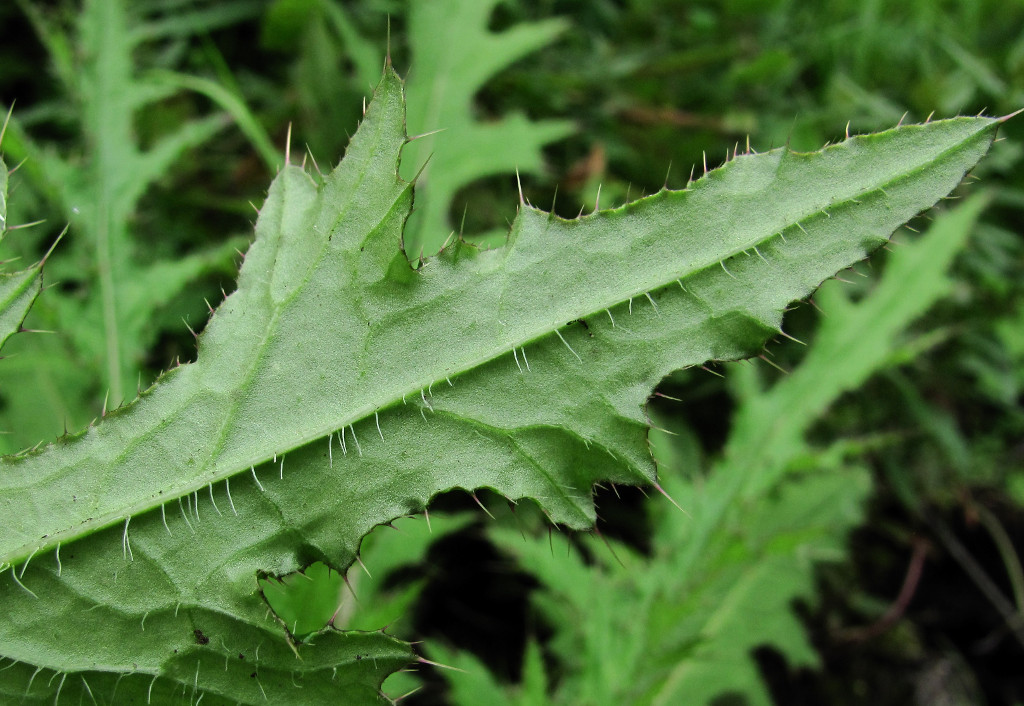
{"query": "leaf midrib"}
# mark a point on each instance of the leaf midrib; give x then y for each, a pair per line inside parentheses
(365, 411)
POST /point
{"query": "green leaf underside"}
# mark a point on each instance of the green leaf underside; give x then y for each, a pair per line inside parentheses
(331, 330)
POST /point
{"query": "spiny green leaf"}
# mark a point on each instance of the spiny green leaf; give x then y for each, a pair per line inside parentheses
(18, 290)
(337, 389)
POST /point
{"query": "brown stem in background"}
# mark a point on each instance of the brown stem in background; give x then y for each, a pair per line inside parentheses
(899, 606)
(651, 115)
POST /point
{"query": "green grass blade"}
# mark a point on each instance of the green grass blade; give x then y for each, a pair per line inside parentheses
(233, 106)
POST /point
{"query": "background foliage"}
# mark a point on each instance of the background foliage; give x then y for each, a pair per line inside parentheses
(906, 433)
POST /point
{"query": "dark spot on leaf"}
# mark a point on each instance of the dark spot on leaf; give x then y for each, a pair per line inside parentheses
(201, 639)
(253, 675)
(241, 656)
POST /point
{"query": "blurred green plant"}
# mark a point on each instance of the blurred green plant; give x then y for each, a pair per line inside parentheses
(115, 277)
(18, 290)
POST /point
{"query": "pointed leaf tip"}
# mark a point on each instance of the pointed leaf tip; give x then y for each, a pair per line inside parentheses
(1014, 114)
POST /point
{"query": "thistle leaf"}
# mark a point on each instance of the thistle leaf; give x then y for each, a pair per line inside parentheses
(338, 388)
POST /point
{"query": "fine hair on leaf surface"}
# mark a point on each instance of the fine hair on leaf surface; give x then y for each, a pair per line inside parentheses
(339, 388)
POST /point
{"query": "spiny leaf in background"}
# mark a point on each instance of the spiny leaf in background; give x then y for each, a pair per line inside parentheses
(18, 290)
(660, 631)
(424, 380)
(454, 55)
(113, 286)
(681, 625)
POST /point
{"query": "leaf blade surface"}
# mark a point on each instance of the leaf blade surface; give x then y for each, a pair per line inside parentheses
(339, 389)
